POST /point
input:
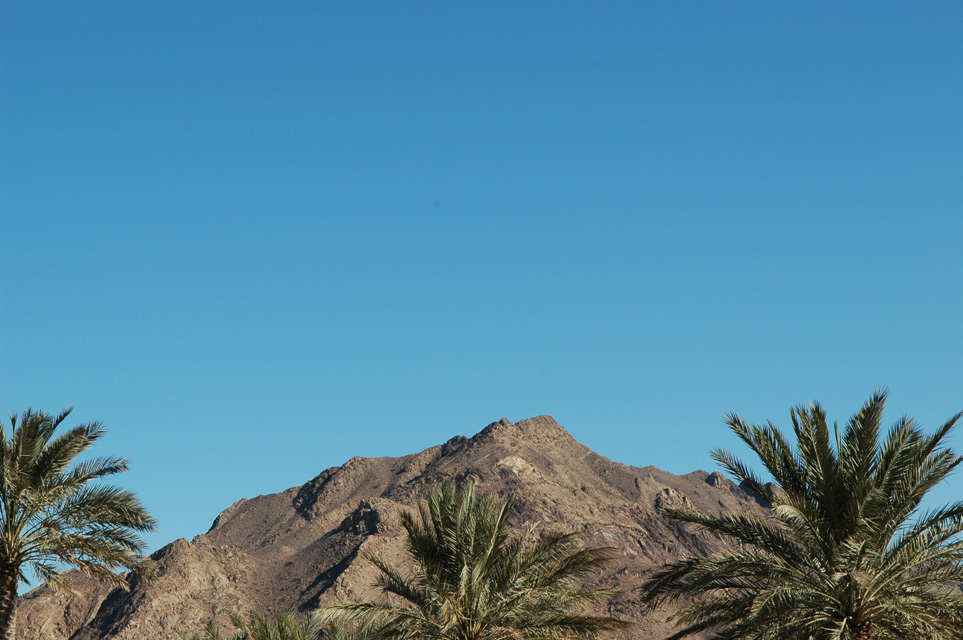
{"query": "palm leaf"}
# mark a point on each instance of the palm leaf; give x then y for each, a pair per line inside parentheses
(844, 552)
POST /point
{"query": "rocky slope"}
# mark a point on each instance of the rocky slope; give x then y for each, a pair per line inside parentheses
(304, 548)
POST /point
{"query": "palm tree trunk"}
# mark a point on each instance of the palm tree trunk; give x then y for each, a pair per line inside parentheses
(9, 581)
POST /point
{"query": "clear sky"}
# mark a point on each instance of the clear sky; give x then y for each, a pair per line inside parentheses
(256, 239)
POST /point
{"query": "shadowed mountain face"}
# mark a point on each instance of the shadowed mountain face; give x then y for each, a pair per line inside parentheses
(305, 548)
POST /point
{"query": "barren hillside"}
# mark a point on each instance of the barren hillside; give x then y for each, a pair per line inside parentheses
(305, 547)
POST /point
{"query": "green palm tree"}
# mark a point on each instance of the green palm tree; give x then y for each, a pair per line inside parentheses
(845, 551)
(279, 625)
(54, 514)
(471, 580)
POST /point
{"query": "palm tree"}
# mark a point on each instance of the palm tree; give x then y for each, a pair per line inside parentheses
(471, 581)
(845, 551)
(54, 515)
(280, 625)
(277, 625)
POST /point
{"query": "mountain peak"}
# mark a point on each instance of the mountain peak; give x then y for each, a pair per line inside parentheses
(540, 429)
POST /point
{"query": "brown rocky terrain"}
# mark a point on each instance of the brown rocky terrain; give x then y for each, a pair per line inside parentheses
(305, 548)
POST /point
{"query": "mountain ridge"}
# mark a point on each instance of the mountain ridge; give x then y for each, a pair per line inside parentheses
(304, 547)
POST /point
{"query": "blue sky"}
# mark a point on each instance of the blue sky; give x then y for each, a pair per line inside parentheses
(256, 240)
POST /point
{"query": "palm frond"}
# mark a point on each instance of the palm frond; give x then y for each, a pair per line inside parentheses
(845, 551)
(471, 580)
(54, 514)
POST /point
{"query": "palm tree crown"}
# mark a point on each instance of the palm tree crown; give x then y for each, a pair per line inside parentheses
(53, 514)
(278, 625)
(845, 551)
(471, 581)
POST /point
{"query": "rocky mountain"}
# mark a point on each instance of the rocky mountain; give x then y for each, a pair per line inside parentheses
(305, 548)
